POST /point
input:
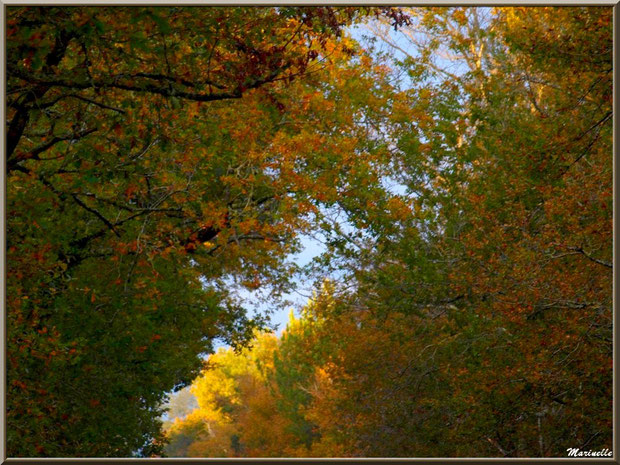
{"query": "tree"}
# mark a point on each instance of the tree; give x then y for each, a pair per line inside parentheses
(507, 258)
(481, 320)
(466, 208)
(152, 154)
(237, 413)
(255, 402)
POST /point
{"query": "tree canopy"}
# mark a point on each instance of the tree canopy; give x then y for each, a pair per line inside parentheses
(456, 163)
(152, 154)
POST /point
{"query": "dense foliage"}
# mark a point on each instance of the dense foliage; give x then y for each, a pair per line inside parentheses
(457, 165)
(156, 156)
(475, 320)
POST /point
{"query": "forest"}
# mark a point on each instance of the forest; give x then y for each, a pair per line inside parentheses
(165, 165)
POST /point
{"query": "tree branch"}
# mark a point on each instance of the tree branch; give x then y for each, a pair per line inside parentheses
(590, 257)
(115, 84)
(96, 213)
(22, 116)
(99, 104)
(34, 154)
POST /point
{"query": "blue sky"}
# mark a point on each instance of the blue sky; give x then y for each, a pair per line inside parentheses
(310, 248)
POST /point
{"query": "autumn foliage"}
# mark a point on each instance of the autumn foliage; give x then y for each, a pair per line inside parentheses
(160, 159)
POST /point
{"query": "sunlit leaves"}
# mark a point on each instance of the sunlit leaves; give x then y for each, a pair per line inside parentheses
(159, 158)
(156, 156)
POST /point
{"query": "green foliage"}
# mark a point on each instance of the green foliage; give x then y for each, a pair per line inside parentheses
(159, 157)
(153, 157)
(476, 320)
